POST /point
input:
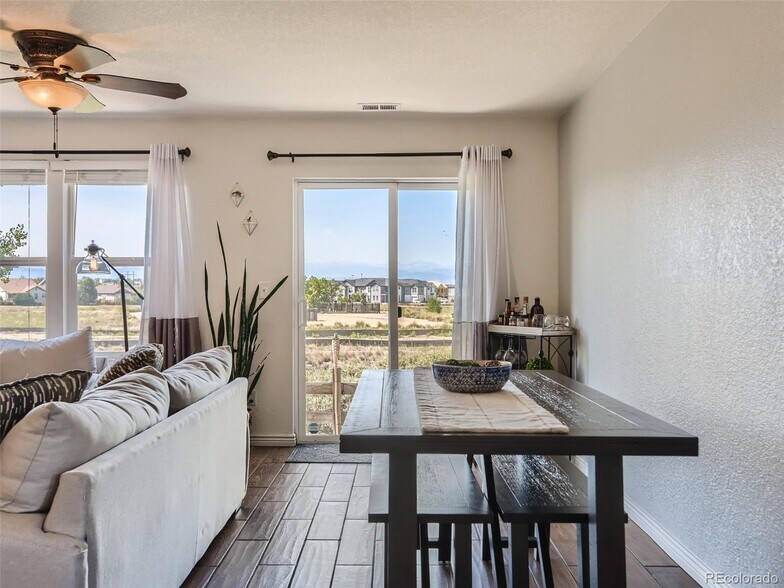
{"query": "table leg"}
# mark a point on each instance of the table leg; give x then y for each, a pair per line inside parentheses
(402, 526)
(606, 521)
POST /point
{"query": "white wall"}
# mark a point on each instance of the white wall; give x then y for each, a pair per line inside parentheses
(671, 259)
(229, 150)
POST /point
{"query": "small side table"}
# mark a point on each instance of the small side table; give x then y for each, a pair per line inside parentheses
(558, 344)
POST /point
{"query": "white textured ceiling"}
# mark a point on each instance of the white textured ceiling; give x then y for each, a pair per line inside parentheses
(307, 57)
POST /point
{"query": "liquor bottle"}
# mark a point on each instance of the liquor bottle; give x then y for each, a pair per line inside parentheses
(524, 311)
(516, 306)
(507, 310)
(537, 314)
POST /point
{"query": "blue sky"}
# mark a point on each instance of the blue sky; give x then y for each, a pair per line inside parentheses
(346, 230)
(113, 216)
(346, 233)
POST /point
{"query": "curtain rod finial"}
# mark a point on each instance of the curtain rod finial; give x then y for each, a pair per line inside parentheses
(507, 153)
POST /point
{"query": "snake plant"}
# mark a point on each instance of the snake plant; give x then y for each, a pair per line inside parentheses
(239, 331)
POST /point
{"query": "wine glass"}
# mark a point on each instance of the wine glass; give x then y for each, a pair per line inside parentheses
(510, 354)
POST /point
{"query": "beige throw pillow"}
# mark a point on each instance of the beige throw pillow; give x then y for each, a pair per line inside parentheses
(198, 376)
(20, 360)
(58, 436)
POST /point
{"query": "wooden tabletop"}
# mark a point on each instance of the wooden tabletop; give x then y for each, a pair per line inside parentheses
(384, 418)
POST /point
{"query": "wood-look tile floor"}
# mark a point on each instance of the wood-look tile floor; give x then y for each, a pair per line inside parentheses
(305, 525)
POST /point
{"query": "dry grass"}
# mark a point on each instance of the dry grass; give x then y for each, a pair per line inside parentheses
(355, 358)
(29, 323)
(413, 316)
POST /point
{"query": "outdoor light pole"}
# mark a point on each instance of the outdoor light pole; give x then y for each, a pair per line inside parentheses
(95, 254)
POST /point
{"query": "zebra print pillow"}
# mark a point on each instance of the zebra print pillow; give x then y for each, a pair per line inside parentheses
(20, 397)
(149, 354)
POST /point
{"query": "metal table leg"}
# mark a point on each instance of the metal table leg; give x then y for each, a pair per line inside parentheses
(401, 542)
(606, 521)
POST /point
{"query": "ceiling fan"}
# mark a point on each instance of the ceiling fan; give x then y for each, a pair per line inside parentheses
(54, 60)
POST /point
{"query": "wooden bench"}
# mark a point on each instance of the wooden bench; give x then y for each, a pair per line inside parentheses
(530, 492)
(447, 494)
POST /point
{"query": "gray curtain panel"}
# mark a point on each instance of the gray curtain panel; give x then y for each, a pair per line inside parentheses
(180, 338)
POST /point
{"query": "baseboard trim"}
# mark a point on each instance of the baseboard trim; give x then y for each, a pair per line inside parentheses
(273, 440)
(680, 554)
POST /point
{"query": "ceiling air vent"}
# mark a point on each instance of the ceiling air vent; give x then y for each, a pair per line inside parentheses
(378, 107)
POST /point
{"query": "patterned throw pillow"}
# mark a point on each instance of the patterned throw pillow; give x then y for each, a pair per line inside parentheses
(20, 397)
(149, 354)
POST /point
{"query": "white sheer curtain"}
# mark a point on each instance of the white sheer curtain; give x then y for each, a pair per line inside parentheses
(169, 314)
(482, 269)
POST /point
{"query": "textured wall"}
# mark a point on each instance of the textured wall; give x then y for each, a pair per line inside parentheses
(671, 256)
(233, 149)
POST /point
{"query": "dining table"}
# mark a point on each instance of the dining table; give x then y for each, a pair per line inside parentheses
(384, 419)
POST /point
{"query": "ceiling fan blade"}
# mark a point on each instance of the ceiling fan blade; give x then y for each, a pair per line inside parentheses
(163, 89)
(83, 58)
(89, 104)
(17, 79)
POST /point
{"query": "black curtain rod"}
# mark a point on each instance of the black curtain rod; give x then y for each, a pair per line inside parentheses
(186, 152)
(273, 155)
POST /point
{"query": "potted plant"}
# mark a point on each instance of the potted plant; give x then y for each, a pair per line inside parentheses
(238, 325)
(535, 364)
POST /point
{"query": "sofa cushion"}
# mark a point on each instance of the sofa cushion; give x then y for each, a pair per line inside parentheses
(149, 354)
(58, 436)
(197, 376)
(20, 397)
(22, 359)
(32, 557)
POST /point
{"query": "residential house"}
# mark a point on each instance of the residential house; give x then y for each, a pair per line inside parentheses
(374, 290)
(15, 286)
(410, 291)
(108, 292)
(445, 292)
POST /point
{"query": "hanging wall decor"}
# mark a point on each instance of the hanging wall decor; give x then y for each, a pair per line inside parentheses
(250, 223)
(237, 195)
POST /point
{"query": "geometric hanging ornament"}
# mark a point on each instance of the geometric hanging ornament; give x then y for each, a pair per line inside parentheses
(250, 223)
(236, 195)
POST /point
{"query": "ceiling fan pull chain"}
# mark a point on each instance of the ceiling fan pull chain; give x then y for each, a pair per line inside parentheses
(55, 132)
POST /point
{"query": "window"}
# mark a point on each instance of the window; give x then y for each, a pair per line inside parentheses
(110, 209)
(49, 212)
(23, 242)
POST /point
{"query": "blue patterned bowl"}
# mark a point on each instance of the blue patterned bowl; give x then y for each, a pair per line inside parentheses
(469, 379)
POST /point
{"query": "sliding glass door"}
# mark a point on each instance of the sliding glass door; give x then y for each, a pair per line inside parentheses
(376, 288)
(426, 273)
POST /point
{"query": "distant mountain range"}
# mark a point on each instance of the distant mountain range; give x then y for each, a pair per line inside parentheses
(415, 270)
(335, 271)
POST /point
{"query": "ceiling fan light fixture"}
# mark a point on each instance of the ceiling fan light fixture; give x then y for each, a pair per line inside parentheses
(48, 93)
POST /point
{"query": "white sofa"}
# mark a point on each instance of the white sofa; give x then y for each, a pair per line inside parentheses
(144, 512)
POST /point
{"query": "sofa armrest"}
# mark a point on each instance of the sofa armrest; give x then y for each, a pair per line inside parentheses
(160, 497)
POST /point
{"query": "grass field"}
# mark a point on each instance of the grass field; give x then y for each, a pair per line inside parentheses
(28, 323)
(417, 323)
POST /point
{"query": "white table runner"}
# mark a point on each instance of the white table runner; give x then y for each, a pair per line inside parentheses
(506, 411)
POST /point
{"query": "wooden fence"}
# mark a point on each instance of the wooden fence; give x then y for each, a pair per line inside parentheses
(336, 388)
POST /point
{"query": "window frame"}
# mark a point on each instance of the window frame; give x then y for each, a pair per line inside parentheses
(60, 261)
